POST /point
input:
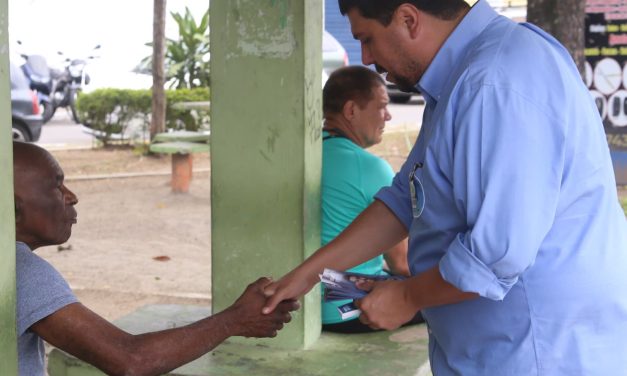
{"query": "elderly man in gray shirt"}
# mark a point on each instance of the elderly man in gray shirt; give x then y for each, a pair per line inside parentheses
(47, 309)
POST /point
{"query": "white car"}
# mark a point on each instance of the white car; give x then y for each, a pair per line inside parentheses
(333, 55)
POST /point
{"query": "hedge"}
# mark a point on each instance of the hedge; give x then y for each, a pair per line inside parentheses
(125, 114)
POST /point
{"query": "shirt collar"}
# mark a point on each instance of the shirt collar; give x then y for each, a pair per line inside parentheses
(454, 49)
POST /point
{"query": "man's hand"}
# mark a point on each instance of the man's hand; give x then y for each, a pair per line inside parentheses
(387, 306)
(292, 286)
(245, 313)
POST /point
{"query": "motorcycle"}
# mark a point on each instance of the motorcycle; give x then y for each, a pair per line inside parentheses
(68, 83)
(38, 73)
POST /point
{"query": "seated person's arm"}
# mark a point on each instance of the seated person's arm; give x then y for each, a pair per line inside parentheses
(396, 259)
(82, 333)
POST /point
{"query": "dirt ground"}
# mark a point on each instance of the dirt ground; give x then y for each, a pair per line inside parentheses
(136, 243)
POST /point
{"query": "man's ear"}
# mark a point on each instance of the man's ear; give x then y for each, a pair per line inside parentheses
(18, 209)
(409, 17)
(349, 109)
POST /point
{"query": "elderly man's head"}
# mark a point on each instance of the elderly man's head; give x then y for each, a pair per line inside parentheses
(354, 100)
(44, 207)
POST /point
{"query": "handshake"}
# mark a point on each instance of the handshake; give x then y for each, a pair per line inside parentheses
(246, 319)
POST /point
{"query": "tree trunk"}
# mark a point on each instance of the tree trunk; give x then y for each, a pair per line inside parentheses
(158, 68)
(565, 20)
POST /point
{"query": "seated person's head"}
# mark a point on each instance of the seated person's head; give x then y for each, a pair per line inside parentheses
(354, 101)
(44, 207)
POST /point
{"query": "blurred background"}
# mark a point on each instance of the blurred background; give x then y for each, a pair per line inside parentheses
(121, 27)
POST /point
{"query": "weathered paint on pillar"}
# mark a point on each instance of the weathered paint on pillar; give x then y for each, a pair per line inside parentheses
(265, 148)
(8, 347)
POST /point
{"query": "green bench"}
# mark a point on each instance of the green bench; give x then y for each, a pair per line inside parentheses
(181, 145)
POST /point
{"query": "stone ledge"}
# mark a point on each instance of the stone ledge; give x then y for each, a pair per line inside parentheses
(400, 352)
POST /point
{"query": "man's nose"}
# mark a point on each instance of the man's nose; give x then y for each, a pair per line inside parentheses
(70, 197)
(388, 115)
(366, 56)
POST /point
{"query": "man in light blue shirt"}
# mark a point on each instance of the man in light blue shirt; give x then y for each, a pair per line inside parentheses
(518, 246)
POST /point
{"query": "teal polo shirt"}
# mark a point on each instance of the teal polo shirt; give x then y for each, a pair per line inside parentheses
(351, 176)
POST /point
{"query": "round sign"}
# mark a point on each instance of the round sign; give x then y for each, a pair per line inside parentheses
(601, 102)
(617, 108)
(608, 76)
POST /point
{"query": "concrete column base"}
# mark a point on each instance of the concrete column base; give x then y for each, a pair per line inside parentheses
(396, 353)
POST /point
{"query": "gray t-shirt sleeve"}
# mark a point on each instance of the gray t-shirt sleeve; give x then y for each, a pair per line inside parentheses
(41, 290)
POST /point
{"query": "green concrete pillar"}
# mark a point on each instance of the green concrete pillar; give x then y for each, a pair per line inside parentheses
(8, 347)
(265, 148)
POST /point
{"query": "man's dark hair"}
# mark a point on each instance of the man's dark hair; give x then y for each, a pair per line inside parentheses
(349, 83)
(383, 10)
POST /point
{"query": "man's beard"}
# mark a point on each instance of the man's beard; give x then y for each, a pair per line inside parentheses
(403, 83)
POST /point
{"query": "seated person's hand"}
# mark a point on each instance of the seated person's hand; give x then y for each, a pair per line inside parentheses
(246, 312)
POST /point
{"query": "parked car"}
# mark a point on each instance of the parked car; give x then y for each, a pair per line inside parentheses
(333, 54)
(26, 119)
(396, 95)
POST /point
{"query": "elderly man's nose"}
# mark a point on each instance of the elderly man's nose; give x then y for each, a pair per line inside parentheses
(70, 197)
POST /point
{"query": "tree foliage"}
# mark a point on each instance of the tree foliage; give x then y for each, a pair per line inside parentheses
(186, 58)
(127, 112)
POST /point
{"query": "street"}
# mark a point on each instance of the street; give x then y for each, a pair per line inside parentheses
(62, 133)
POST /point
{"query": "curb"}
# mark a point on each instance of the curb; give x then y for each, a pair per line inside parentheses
(126, 175)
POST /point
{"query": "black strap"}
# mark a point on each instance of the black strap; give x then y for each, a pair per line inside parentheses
(338, 134)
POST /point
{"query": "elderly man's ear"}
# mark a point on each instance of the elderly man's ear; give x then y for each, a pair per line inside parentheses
(18, 209)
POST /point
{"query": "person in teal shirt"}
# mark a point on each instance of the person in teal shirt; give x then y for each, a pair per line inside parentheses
(355, 111)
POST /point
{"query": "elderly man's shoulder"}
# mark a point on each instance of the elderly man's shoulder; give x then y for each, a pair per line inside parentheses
(40, 288)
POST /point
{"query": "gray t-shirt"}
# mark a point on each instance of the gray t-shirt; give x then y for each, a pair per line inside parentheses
(41, 291)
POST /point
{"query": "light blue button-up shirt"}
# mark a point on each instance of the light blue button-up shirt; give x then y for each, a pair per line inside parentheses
(520, 206)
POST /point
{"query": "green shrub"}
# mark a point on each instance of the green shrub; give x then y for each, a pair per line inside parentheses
(623, 202)
(123, 114)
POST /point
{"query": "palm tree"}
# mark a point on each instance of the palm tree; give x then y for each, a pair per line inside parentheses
(186, 58)
(158, 68)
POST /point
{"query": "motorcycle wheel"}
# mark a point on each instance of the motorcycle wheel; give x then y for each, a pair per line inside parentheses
(48, 110)
(73, 97)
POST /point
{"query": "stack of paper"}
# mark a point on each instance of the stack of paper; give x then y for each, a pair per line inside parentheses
(343, 285)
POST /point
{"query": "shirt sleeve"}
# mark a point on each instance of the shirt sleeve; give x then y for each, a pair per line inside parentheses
(508, 161)
(41, 291)
(377, 174)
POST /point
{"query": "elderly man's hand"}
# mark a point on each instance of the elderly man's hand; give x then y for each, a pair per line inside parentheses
(246, 316)
(387, 305)
(291, 286)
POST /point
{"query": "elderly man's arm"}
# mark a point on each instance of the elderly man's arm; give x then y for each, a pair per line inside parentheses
(82, 333)
(396, 259)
